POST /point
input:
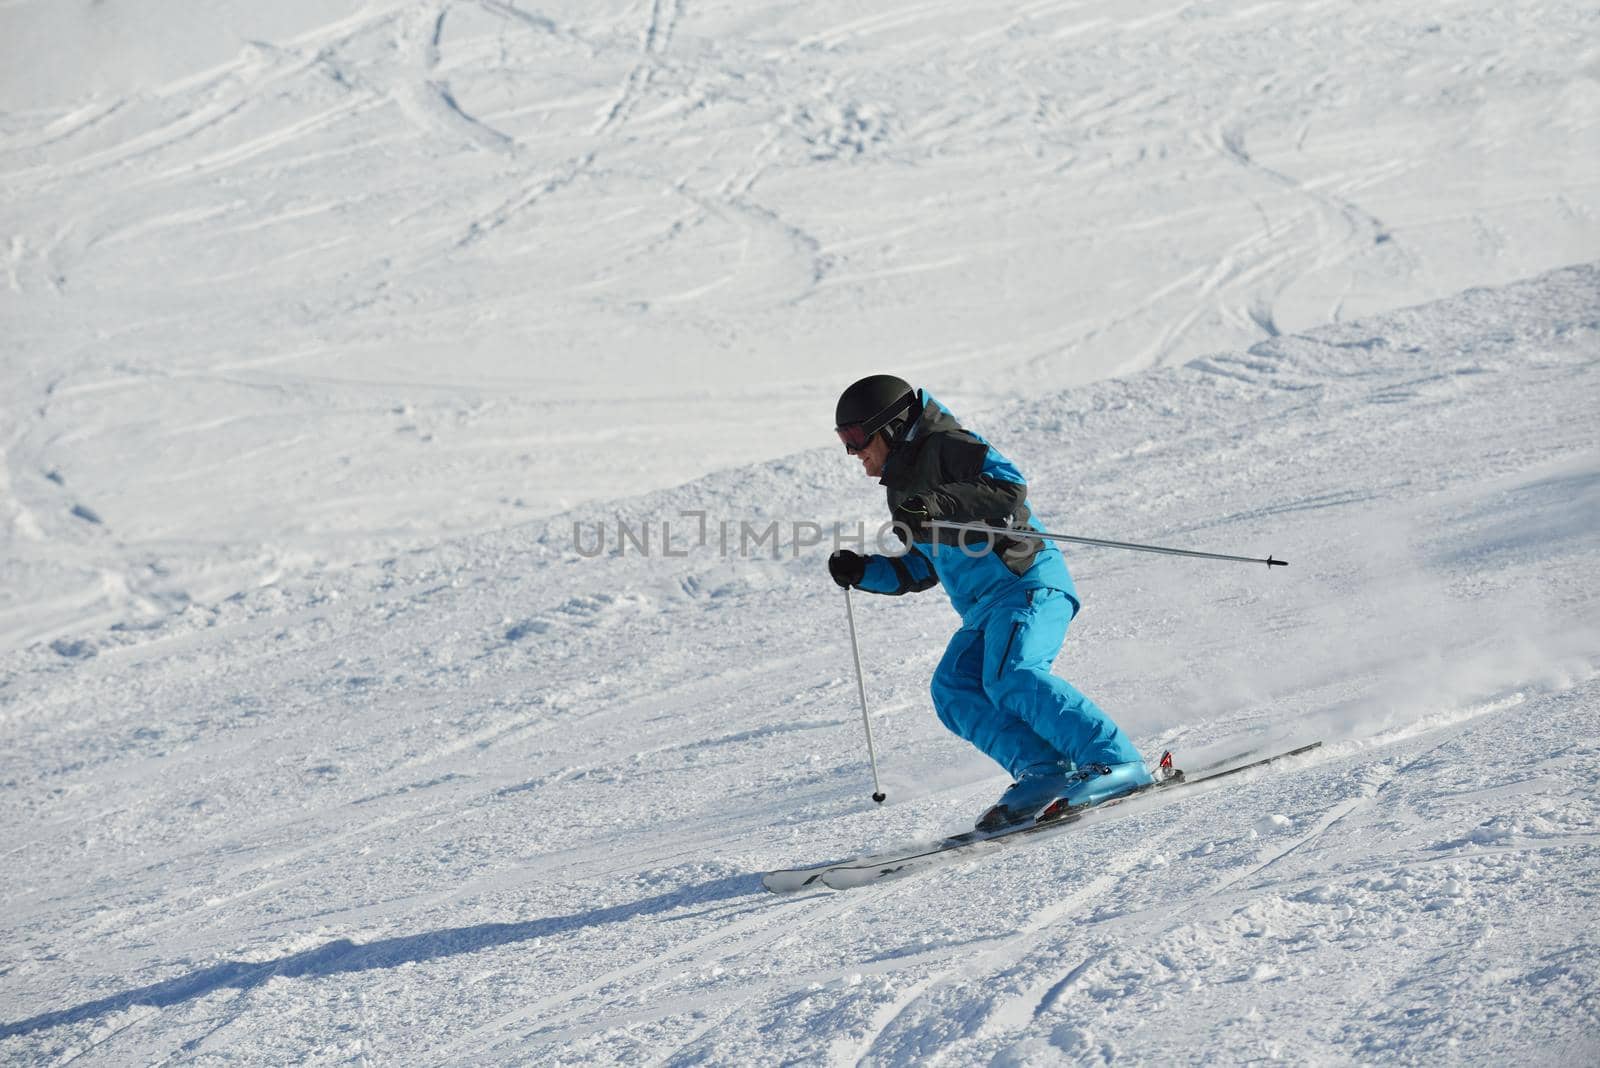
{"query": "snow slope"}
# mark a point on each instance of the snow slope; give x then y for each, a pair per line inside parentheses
(494, 800)
(333, 334)
(306, 283)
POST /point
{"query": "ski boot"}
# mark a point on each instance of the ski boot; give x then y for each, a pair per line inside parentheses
(1094, 784)
(1034, 789)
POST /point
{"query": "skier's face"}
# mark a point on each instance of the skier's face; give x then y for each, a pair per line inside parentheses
(873, 456)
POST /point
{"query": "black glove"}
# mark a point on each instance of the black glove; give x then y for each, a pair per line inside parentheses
(911, 517)
(913, 510)
(847, 568)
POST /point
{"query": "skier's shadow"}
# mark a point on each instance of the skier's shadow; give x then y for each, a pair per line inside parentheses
(344, 955)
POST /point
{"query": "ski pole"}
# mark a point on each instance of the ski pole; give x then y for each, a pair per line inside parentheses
(1028, 532)
(861, 688)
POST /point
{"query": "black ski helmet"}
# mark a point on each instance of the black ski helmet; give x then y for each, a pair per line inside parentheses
(875, 403)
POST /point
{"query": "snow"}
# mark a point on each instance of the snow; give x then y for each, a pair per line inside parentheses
(335, 334)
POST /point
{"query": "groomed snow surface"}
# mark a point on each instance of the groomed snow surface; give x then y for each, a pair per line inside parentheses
(497, 800)
(414, 635)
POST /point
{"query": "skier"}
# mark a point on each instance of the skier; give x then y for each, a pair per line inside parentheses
(993, 686)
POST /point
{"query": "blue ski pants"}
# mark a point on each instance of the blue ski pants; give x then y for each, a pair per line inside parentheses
(994, 688)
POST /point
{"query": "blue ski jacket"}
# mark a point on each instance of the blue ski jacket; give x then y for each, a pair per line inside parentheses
(958, 477)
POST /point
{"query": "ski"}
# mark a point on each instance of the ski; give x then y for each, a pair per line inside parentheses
(859, 871)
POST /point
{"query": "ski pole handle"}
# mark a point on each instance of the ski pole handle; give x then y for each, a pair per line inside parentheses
(861, 690)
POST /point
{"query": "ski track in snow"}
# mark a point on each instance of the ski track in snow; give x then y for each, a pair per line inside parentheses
(330, 339)
(491, 237)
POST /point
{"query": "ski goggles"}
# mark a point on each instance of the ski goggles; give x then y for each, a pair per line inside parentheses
(855, 437)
